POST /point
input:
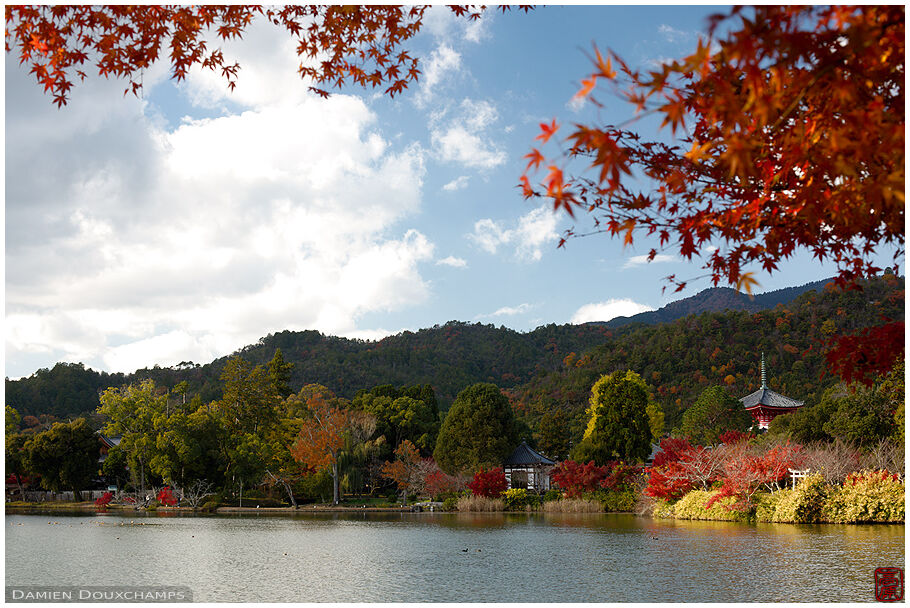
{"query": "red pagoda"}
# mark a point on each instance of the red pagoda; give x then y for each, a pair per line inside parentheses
(764, 404)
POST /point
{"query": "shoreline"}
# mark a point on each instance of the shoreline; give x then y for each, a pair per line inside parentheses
(91, 507)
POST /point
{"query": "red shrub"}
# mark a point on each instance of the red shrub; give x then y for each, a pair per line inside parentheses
(732, 437)
(165, 497)
(105, 499)
(576, 479)
(672, 450)
(747, 470)
(437, 482)
(669, 482)
(490, 483)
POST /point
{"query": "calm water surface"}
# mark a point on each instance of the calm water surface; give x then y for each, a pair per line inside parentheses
(436, 557)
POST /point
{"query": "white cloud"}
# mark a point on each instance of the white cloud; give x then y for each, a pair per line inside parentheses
(639, 260)
(462, 138)
(453, 262)
(604, 311)
(150, 244)
(442, 23)
(511, 311)
(458, 183)
(534, 230)
(442, 63)
(671, 34)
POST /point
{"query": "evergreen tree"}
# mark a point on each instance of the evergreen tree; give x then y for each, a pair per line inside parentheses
(66, 456)
(618, 427)
(478, 432)
(713, 413)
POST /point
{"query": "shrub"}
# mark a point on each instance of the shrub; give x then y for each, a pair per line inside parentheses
(662, 508)
(803, 504)
(105, 499)
(613, 501)
(450, 504)
(166, 497)
(480, 503)
(519, 499)
(551, 495)
(766, 504)
(213, 503)
(694, 506)
(489, 484)
(873, 496)
(573, 505)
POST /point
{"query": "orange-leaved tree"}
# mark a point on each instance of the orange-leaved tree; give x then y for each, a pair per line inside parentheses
(361, 45)
(327, 426)
(783, 131)
(406, 470)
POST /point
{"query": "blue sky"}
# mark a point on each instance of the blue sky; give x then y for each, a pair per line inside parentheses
(193, 221)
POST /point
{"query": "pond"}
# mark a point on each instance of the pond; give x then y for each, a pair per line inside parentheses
(452, 557)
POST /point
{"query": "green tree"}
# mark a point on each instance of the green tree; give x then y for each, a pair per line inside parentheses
(12, 420)
(655, 420)
(182, 388)
(187, 446)
(893, 390)
(806, 424)
(131, 413)
(553, 435)
(478, 432)
(863, 415)
(714, 412)
(66, 456)
(16, 456)
(280, 374)
(619, 425)
(249, 399)
(400, 417)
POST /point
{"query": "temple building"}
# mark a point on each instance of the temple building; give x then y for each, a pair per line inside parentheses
(765, 405)
(526, 468)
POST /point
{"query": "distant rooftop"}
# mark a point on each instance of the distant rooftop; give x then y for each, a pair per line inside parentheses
(524, 456)
(768, 398)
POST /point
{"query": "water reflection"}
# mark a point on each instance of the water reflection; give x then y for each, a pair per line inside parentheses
(452, 557)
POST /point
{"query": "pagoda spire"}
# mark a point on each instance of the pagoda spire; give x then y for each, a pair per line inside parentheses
(764, 380)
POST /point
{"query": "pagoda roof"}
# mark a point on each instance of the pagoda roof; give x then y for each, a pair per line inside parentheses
(523, 455)
(110, 441)
(768, 398)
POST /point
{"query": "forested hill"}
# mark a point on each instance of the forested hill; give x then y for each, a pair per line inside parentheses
(680, 359)
(716, 299)
(550, 366)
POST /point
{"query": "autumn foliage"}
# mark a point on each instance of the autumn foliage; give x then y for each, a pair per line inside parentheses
(166, 497)
(576, 479)
(337, 45)
(105, 499)
(405, 470)
(746, 471)
(489, 483)
(789, 134)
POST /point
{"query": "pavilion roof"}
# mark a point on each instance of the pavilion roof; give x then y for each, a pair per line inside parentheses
(768, 398)
(523, 455)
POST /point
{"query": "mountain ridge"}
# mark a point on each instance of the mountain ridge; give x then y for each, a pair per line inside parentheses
(448, 357)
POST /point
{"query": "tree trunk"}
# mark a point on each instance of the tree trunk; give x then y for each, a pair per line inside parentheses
(335, 483)
(287, 487)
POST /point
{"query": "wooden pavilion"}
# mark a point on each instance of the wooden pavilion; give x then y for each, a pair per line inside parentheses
(528, 469)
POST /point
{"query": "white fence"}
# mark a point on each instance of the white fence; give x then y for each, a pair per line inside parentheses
(39, 496)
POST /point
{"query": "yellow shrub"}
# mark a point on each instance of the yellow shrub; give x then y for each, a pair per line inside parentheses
(872, 496)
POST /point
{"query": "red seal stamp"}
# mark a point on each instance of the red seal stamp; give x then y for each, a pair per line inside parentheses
(889, 584)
